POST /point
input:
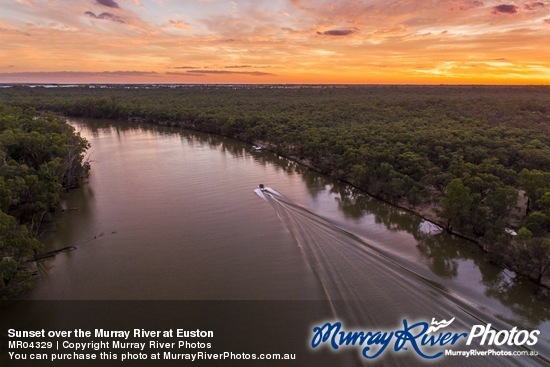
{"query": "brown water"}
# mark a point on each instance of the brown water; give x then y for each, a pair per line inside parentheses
(169, 214)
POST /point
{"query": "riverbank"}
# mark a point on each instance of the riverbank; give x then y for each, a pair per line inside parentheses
(457, 155)
(203, 234)
(427, 211)
(431, 212)
(41, 157)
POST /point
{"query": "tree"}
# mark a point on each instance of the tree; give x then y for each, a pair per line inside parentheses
(40, 156)
(501, 200)
(15, 246)
(533, 257)
(524, 235)
(456, 203)
(538, 223)
(536, 183)
(543, 204)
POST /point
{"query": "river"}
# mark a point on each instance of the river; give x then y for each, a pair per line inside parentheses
(173, 215)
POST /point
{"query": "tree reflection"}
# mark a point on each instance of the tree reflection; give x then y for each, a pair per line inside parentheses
(441, 258)
(520, 295)
(442, 253)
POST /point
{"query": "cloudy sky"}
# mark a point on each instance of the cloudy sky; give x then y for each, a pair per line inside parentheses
(275, 41)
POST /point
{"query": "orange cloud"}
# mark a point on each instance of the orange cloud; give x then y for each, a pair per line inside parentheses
(348, 41)
(532, 5)
(178, 24)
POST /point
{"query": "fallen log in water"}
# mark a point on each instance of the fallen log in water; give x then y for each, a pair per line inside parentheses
(52, 253)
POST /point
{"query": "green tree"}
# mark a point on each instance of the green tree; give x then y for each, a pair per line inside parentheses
(536, 183)
(456, 203)
(524, 235)
(533, 257)
(40, 156)
(15, 246)
(538, 223)
(543, 204)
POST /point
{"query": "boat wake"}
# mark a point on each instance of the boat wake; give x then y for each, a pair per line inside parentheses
(262, 190)
(367, 288)
(260, 193)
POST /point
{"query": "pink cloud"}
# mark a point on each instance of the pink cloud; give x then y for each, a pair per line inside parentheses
(532, 5)
(180, 24)
(463, 5)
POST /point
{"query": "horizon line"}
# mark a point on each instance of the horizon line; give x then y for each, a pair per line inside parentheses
(3, 84)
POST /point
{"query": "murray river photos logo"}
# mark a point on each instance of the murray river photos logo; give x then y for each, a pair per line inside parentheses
(427, 340)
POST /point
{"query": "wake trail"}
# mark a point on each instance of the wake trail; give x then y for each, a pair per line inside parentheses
(364, 286)
(347, 267)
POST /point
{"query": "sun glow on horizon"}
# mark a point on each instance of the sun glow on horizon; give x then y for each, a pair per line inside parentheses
(280, 42)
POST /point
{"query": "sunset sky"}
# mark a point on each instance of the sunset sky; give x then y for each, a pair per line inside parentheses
(275, 41)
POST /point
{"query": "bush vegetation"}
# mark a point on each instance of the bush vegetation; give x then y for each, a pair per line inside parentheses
(40, 156)
(466, 151)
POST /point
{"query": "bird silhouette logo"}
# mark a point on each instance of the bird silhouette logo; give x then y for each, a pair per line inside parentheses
(439, 325)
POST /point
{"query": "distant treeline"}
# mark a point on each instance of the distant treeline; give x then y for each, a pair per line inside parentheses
(464, 150)
(40, 156)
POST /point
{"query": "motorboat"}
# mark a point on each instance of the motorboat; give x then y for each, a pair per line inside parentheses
(262, 189)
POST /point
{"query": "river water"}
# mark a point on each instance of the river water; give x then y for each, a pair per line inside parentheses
(169, 214)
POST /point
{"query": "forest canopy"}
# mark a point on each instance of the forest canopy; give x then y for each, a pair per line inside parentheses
(40, 156)
(473, 153)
